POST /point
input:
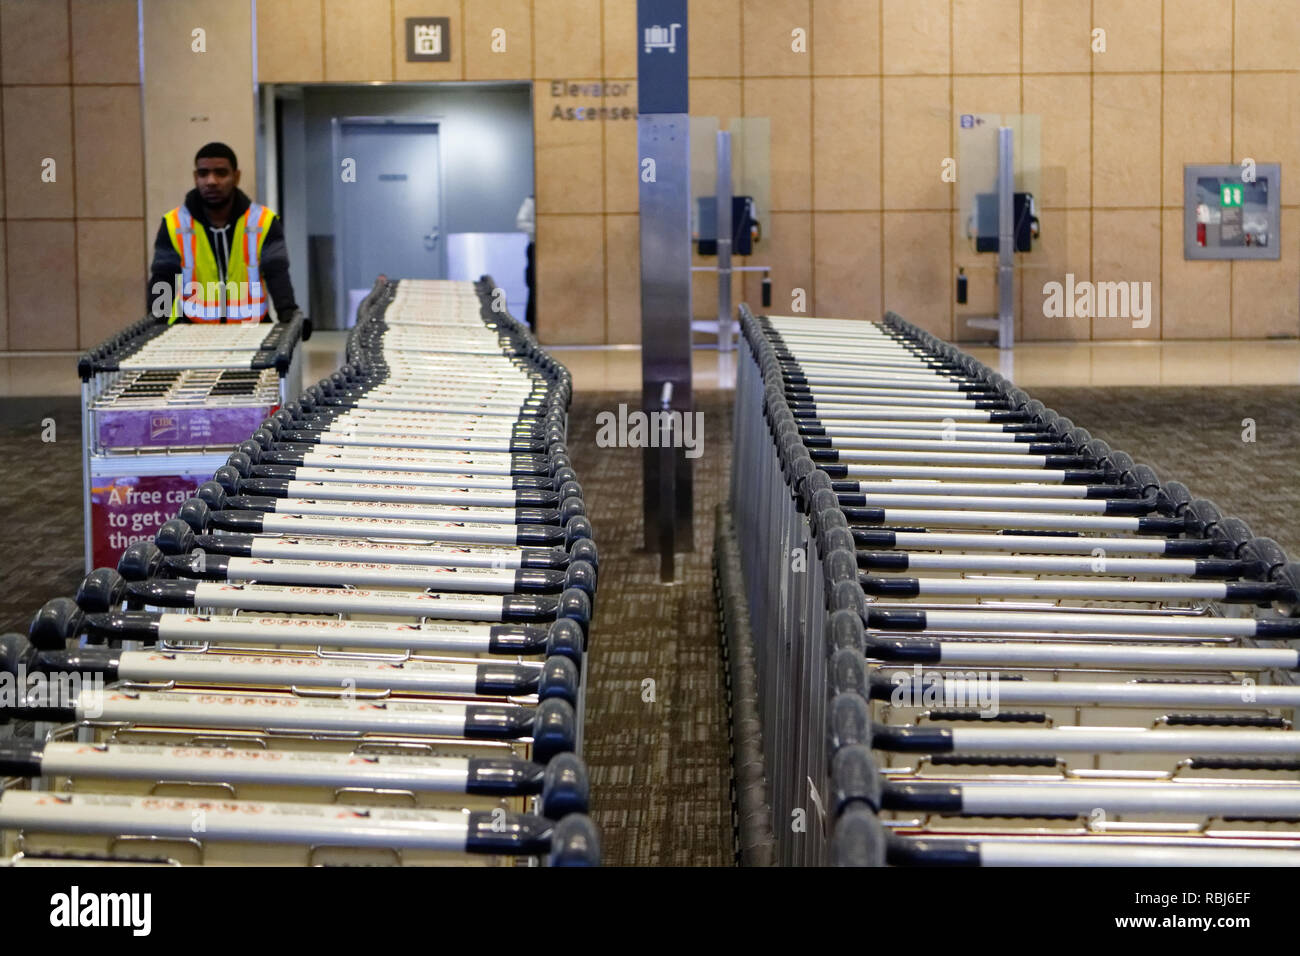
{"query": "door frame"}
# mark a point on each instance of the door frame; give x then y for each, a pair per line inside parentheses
(337, 123)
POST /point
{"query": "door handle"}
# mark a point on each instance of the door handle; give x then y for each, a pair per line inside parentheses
(431, 239)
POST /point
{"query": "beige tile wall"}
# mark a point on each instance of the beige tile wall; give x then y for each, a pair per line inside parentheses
(183, 107)
(289, 41)
(515, 62)
(622, 286)
(40, 254)
(573, 260)
(862, 121)
(848, 263)
(107, 250)
(72, 250)
(1065, 248)
(34, 42)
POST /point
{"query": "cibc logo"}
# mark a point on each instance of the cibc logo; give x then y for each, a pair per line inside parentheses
(163, 425)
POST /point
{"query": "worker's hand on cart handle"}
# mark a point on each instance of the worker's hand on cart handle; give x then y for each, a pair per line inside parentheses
(298, 314)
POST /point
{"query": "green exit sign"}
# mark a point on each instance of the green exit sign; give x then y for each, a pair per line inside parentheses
(1229, 195)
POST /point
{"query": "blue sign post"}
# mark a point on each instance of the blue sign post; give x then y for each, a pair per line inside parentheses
(661, 56)
(664, 167)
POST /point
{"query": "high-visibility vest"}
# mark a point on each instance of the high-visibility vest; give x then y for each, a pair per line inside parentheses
(204, 298)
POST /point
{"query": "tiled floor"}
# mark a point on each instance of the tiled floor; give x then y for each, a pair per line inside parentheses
(1210, 362)
(1032, 364)
(618, 368)
(38, 374)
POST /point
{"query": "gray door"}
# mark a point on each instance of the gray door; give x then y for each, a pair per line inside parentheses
(390, 217)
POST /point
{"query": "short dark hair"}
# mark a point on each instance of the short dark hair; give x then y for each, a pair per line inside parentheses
(217, 151)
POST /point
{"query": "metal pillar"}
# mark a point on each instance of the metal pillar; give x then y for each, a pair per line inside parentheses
(725, 231)
(664, 167)
(1006, 240)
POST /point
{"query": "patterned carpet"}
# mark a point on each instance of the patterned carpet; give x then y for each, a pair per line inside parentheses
(40, 506)
(660, 770)
(1194, 435)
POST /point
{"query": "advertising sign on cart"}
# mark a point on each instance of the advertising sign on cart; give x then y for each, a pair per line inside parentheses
(161, 408)
(129, 508)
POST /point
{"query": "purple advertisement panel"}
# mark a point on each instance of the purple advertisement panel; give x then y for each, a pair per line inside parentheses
(177, 427)
(125, 509)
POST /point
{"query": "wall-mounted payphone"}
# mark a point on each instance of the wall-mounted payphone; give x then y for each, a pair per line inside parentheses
(983, 224)
(1001, 221)
(997, 175)
(745, 230)
(732, 193)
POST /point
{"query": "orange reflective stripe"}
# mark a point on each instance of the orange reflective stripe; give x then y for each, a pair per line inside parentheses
(172, 220)
(180, 229)
(251, 263)
(257, 220)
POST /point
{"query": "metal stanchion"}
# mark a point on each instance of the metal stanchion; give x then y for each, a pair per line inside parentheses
(667, 487)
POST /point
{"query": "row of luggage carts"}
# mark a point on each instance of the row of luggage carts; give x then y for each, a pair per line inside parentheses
(983, 637)
(362, 642)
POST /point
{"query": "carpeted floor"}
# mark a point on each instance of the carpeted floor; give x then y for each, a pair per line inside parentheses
(660, 769)
(1194, 435)
(41, 534)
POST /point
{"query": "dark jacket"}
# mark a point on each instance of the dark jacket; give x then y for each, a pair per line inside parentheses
(274, 259)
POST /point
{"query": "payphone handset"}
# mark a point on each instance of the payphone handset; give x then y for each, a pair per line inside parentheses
(745, 228)
(982, 223)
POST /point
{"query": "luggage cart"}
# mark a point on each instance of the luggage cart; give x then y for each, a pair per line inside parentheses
(160, 407)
